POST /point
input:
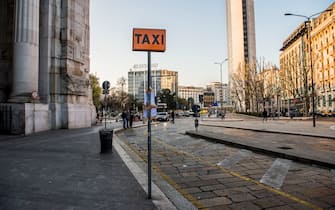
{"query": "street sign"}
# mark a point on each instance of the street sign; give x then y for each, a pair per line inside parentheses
(105, 85)
(149, 39)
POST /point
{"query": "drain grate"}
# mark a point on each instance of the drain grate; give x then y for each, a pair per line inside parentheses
(284, 147)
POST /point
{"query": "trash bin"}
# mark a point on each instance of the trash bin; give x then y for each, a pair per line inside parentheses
(106, 139)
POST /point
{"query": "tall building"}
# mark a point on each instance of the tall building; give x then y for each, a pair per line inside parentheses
(323, 48)
(241, 46)
(187, 92)
(161, 79)
(296, 74)
(44, 66)
(220, 92)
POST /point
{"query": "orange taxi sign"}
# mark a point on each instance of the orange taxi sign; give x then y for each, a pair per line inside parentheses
(149, 39)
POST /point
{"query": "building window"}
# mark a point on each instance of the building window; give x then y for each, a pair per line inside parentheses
(329, 100)
(324, 101)
(319, 100)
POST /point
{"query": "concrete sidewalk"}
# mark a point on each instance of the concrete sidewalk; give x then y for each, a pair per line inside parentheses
(63, 169)
(323, 129)
(317, 147)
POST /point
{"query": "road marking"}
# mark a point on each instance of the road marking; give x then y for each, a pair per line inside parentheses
(235, 158)
(279, 192)
(333, 172)
(276, 174)
(332, 127)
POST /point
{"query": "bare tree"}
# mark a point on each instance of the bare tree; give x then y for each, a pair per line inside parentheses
(121, 83)
(294, 79)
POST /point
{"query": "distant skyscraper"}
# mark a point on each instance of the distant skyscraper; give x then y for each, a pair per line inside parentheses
(241, 42)
(161, 79)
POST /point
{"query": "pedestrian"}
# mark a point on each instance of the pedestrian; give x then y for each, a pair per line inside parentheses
(127, 118)
(265, 115)
(131, 119)
(124, 119)
(172, 115)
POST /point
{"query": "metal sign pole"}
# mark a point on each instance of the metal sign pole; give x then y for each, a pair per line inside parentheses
(105, 107)
(149, 124)
(148, 40)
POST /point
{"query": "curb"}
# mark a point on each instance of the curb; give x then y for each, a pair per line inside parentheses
(261, 149)
(272, 131)
(159, 199)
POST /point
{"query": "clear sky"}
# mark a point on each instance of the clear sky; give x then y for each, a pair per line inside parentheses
(195, 34)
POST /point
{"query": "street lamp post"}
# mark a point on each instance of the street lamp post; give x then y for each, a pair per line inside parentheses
(221, 95)
(309, 37)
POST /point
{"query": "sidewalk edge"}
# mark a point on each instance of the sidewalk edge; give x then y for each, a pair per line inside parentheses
(159, 199)
(260, 149)
(271, 131)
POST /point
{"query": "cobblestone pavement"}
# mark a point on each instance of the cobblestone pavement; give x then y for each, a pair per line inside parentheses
(216, 176)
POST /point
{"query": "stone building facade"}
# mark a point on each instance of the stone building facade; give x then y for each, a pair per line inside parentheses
(44, 65)
(323, 45)
(187, 92)
(295, 66)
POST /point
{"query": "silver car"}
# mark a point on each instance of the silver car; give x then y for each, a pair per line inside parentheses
(162, 116)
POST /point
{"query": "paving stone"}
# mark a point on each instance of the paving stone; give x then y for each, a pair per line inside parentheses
(286, 207)
(215, 176)
(241, 197)
(329, 199)
(202, 183)
(220, 192)
(293, 188)
(261, 193)
(319, 192)
(193, 190)
(237, 184)
(203, 195)
(244, 206)
(187, 179)
(300, 206)
(212, 187)
(255, 187)
(268, 202)
(222, 207)
(229, 179)
(236, 190)
(218, 201)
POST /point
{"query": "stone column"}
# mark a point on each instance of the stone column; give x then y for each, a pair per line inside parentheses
(26, 50)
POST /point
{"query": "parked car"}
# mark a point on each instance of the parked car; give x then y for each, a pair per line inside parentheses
(324, 113)
(294, 113)
(162, 116)
(329, 113)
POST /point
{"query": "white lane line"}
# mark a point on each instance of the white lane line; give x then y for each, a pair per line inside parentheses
(333, 172)
(276, 174)
(234, 159)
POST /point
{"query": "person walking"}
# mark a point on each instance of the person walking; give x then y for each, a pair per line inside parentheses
(265, 115)
(127, 118)
(131, 118)
(172, 116)
(124, 119)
